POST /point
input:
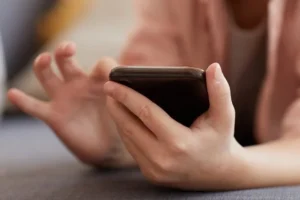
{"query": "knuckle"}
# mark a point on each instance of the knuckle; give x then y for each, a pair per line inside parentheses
(165, 165)
(120, 95)
(179, 148)
(144, 112)
(126, 130)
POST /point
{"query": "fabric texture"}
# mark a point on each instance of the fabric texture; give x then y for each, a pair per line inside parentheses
(35, 165)
(247, 66)
(244, 45)
(2, 78)
(195, 33)
(18, 28)
(246, 96)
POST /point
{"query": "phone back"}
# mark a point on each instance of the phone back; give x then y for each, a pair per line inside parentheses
(184, 99)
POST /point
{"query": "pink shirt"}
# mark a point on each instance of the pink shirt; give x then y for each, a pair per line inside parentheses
(195, 33)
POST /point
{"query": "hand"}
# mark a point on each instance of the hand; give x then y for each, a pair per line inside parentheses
(204, 156)
(77, 111)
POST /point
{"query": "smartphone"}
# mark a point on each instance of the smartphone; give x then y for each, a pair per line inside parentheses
(179, 91)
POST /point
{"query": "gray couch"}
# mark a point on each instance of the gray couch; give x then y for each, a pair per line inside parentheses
(18, 20)
(35, 165)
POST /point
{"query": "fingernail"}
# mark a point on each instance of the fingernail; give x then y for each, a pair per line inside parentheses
(218, 73)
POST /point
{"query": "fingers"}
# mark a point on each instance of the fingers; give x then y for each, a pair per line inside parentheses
(29, 105)
(131, 127)
(46, 76)
(221, 109)
(158, 121)
(102, 69)
(142, 161)
(139, 141)
(67, 66)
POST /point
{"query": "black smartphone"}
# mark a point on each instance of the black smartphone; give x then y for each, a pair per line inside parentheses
(180, 91)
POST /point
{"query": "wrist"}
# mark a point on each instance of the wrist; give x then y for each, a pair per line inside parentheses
(236, 174)
(230, 172)
(248, 169)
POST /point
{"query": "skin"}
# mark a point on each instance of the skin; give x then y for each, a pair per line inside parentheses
(76, 111)
(204, 156)
(92, 116)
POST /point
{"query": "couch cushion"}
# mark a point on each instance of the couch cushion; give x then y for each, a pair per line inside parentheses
(2, 77)
(35, 165)
(18, 27)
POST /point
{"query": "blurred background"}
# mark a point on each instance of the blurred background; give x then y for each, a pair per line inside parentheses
(28, 27)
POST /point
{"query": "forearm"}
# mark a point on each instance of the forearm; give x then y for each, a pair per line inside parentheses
(272, 164)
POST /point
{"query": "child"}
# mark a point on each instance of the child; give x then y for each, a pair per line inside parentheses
(88, 112)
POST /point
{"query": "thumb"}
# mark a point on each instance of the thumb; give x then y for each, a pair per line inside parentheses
(102, 69)
(221, 110)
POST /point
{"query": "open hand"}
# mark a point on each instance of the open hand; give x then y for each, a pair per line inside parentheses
(77, 111)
